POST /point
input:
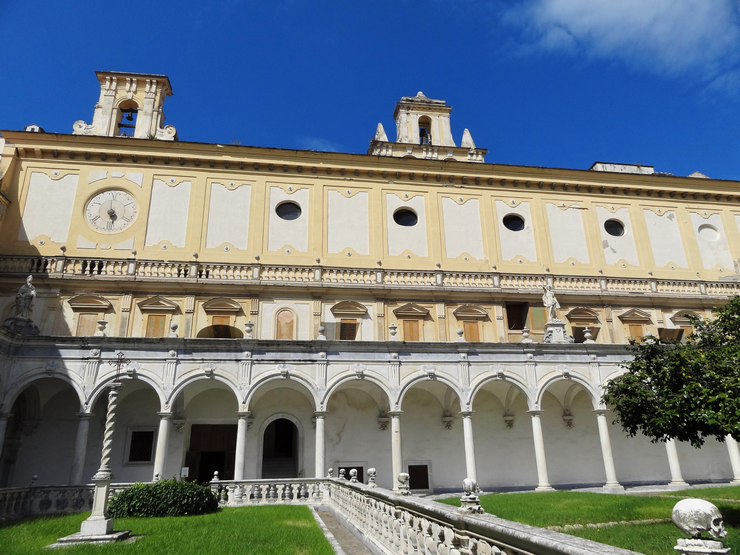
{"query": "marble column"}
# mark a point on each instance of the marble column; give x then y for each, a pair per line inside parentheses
(606, 451)
(470, 466)
(3, 426)
(160, 456)
(732, 449)
(676, 476)
(320, 470)
(78, 460)
(543, 482)
(396, 449)
(240, 457)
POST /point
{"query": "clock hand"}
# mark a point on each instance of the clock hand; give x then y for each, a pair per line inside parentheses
(112, 214)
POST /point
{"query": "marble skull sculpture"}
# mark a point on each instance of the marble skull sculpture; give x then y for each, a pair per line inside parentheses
(696, 516)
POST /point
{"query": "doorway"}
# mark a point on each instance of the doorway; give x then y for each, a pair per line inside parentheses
(212, 449)
(280, 450)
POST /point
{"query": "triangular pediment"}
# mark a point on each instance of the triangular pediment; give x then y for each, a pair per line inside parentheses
(222, 306)
(94, 303)
(158, 303)
(411, 310)
(637, 316)
(470, 312)
(349, 308)
(583, 316)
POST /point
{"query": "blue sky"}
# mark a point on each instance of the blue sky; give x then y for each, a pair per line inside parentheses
(559, 83)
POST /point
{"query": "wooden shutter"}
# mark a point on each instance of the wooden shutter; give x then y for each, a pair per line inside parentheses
(86, 324)
(348, 330)
(155, 325)
(471, 331)
(411, 330)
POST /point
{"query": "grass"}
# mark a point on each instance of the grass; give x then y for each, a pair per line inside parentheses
(565, 507)
(250, 530)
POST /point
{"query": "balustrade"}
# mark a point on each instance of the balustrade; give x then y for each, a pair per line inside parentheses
(16, 503)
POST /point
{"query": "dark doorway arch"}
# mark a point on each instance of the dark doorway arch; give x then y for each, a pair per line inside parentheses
(280, 450)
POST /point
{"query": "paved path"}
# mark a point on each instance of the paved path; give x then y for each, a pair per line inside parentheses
(347, 540)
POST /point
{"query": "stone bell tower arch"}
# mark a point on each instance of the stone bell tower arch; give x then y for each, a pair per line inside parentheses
(130, 105)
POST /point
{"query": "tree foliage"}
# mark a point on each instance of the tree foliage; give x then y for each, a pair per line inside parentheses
(687, 391)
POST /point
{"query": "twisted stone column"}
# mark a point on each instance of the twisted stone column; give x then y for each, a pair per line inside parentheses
(99, 524)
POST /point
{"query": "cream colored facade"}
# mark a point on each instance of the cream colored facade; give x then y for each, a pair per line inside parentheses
(208, 237)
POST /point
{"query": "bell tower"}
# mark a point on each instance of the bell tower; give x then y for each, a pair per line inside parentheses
(423, 131)
(130, 105)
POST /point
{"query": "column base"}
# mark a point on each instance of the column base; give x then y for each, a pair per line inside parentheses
(96, 527)
(678, 485)
(612, 488)
(544, 488)
(80, 539)
(735, 482)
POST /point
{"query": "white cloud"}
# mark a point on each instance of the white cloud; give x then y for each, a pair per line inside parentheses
(672, 36)
(317, 143)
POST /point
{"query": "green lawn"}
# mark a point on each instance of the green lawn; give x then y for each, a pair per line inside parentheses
(250, 530)
(565, 507)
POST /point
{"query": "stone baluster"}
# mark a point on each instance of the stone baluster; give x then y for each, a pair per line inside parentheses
(606, 451)
(78, 460)
(241, 444)
(677, 480)
(160, 455)
(396, 448)
(543, 482)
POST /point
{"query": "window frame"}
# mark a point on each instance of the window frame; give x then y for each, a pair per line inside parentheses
(127, 450)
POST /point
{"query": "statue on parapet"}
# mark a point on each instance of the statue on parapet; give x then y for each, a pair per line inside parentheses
(551, 303)
(21, 324)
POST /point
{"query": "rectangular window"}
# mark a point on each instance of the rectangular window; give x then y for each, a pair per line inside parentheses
(221, 326)
(155, 325)
(411, 330)
(348, 330)
(86, 325)
(516, 315)
(471, 332)
(140, 446)
(635, 331)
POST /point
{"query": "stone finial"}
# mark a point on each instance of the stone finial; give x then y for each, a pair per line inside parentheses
(403, 484)
(322, 334)
(587, 335)
(392, 331)
(371, 478)
(353, 475)
(380, 134)
(342, 474)
(467, 140)
(469, 502)
(525, 336)
(460, 336)
(215, 476)
(248, 327)
(173, 330)
(34, 479)
(330, 473)
(101, 328)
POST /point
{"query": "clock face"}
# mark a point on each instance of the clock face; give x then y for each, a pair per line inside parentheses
(111, 211)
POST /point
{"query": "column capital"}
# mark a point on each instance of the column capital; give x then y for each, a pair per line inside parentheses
(80, 415)
(320, 413)
(395, 413)
(535, 412)
(601, 411)
(467, 413)
(165, 415)
(243, 414)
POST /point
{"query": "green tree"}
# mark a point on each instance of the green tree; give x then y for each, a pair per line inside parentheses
(688, 391)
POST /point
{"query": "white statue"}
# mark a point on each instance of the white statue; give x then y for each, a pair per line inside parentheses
(551, 303)
(24, 299)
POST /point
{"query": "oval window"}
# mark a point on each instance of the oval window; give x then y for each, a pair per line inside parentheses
(614, 227)
(288, 211)
(512, 222)
(405, 217)
(708, 232)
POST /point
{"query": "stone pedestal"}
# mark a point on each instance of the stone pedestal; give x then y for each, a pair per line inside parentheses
(555, 332)
(21, 326)
(691, 546)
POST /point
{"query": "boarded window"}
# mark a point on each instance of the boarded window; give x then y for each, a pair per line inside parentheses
(411, 330)
(141, 446)
(221, 327)
(348, 330)
(86, 324)
(635, 331)
(537, 318)
(285, 325)
(155, 325)
(418, 476)
(471, 331)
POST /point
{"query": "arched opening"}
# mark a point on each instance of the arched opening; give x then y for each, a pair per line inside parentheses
(280, 449)
(425, 130)
(128, 112)
(220, 331)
